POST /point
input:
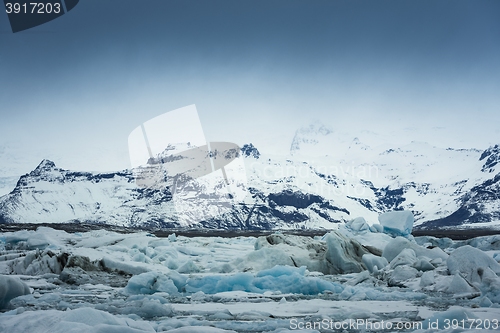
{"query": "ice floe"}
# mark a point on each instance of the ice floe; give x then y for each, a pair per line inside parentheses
(103, 281)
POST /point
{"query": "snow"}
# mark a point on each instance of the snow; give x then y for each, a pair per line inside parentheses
(102, 281)
(353, 176)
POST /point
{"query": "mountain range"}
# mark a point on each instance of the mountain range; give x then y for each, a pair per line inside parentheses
(327, 178)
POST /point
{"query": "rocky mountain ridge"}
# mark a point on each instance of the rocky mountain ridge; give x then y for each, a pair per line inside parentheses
(443, 187)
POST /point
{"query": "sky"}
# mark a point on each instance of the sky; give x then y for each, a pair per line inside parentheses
(73, 89)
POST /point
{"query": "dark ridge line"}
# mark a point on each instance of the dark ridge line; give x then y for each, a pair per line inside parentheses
(84, 227)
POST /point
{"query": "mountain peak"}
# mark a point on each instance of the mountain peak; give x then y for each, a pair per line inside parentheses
(309, 135)
(249, 150)
(492, 156)
(45, 165)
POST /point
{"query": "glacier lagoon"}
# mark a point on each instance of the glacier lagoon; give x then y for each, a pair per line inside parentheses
(358, 278)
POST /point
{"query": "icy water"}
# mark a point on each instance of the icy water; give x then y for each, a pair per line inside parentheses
(109, 281)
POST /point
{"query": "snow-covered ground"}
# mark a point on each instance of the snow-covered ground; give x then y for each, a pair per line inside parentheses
(358, 278)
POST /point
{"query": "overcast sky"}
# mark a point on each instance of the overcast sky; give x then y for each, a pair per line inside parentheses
(73, 89)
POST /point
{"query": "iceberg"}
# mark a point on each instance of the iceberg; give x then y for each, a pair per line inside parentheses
(11, 287)
(397, 223)
(344, 255)
(373, 262)
(472, 264)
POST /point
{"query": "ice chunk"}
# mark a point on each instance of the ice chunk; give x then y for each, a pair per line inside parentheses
(215, 283)
(140, 257)
(198, 297)
(398, 244)
(146, 307)
(358, 278)
(284, 279)
(459, 286)
(397, 223)
(371, 261)
(406, 257)
(37, 262)
(267, 257)
(18, 236)
(191, 251)
(82, 320)
(376, 228)
(189, 267)
(436, 261)
(491, 286)
(74, 275)
(159, 243)
(435, 254)
(88, 315)
(485, 243)
(224, 268)
(485, 302)
(292, 280)
(427, 279)
(442, 243)
(130, 268)
(375, 242)
(358, 224)
(344, 255)
(402, 274)
(200, 329)
(423, 264)
(11, 287)
(471, 263)
(37, 241)
(149, 283)
(456, 314)
(172, 264)
(290, 250)
(178, 279)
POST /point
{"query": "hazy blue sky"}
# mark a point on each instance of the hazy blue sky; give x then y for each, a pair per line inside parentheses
(74, 88)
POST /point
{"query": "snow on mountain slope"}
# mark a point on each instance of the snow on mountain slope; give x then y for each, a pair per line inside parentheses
(49, 194)
(480, 204)
(431, 181)
(318, 140)
(337, 179)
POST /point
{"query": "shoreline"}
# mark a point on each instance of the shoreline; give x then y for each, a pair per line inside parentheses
(81, 227)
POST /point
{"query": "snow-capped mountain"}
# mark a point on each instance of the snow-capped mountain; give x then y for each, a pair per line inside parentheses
(50, 194)
(480, 205)
(328, 178)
